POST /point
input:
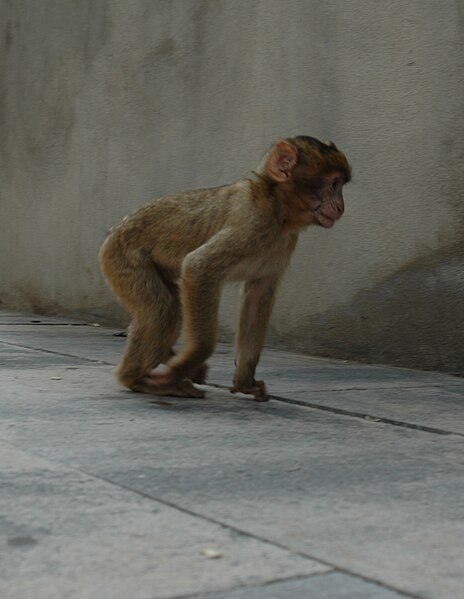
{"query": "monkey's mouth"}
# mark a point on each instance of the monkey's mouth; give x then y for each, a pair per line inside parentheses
(324, 221)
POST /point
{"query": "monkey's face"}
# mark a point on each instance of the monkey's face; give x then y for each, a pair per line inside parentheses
(322, 198)
(311, 175)
(327, 204)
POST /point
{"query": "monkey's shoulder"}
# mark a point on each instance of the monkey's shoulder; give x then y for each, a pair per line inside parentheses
(194, 201)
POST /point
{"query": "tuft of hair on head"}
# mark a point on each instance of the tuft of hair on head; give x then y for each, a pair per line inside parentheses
(325, 156)
(322, 146)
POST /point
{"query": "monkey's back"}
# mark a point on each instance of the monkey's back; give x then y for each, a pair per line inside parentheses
(172, 226)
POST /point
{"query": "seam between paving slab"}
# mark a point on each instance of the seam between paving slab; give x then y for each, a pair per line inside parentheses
(57, 353)
(368, 417)
(279, 580)
(31, 323)
(298, 402)
(352, 414)
(245, 533)
(250, 586)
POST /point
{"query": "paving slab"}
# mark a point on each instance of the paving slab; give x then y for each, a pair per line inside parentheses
(373, 391)
(67, 534)
(378, 503)
(382, 502)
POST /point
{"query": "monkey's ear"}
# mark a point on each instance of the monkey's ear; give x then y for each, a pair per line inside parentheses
(280, 161)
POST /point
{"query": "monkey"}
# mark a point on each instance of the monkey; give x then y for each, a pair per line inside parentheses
(168, 261)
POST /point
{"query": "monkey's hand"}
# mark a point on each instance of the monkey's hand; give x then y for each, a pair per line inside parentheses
(257, 389)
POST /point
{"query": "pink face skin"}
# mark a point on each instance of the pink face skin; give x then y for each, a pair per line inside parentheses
(327, 204)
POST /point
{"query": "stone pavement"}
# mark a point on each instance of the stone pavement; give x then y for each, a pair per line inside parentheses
(348, 484)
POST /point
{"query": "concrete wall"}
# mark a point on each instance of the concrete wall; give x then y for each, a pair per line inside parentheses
(107, 103)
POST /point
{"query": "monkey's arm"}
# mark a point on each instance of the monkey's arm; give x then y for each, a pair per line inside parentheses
(257, 300)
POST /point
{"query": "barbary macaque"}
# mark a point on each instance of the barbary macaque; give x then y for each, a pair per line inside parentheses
(168, 261)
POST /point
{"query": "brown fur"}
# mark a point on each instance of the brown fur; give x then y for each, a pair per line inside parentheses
(168, 261)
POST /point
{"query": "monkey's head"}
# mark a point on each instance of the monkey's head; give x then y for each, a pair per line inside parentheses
(309, 173)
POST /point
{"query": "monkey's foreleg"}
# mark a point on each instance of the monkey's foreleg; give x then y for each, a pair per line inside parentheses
(256, 303)
(200, 300)
(257, 389)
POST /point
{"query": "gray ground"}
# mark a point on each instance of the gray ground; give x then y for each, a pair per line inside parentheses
(348, 484)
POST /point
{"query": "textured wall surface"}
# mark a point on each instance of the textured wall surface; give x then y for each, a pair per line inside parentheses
(105, 104)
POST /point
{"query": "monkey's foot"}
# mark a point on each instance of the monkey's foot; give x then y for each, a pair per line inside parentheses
(257, 389)
(162, 383)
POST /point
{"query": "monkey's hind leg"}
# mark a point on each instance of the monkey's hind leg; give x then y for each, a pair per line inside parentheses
(151, 336)
(150, 299)
(154, 305)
